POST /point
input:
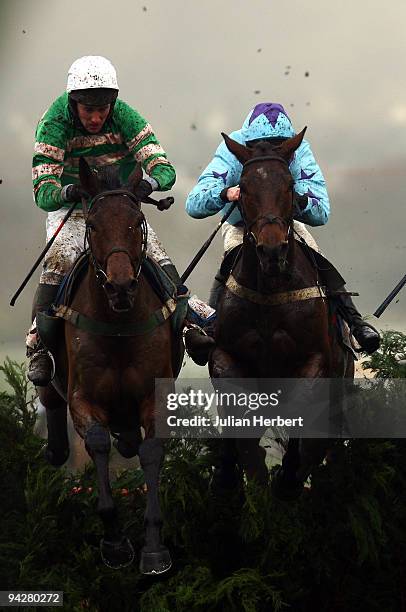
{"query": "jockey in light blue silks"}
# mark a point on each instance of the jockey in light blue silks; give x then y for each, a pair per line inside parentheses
(217, 188)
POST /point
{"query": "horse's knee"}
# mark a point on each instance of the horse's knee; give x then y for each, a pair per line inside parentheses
(97, 439)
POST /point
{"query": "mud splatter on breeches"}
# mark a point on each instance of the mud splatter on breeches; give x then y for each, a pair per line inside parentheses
(233, 235)
(69, 244)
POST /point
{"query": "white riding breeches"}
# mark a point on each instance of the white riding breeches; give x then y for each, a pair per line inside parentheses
(69, 244)
(233, 235)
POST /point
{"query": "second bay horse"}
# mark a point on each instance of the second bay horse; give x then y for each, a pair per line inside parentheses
(273, 318)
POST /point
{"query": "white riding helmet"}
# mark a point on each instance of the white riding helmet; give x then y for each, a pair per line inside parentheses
(91, 72)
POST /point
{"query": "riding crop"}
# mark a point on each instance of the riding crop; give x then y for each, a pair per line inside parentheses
(42, 254)
(163, 204)
(206, 245)
(390, 297)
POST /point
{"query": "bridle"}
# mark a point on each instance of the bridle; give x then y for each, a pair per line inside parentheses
(254, 295)
(269, 218)
(100, 268)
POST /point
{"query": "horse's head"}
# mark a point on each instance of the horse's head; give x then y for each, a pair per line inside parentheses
(266, 200)
(116, 233)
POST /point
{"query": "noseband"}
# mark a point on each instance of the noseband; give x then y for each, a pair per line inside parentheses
(269, 218)
(99, 269)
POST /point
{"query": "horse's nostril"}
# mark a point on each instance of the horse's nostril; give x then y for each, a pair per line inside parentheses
(271, 254)
(263, 249)
(132, 286)
(109, 288)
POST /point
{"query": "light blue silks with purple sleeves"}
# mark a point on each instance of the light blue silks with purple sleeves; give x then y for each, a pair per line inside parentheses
(265, 120)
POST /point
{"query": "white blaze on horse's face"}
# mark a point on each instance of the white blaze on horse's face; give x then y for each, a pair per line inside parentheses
(262, 173)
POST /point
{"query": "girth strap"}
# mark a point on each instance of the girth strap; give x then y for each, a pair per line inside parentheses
(276, 299)
(103, 328)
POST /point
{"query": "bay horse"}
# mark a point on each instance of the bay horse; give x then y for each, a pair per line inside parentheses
(273, 318)
(107, 364)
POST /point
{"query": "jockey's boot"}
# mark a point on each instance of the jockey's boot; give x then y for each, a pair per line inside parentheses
(217, 289)
(198, 343)
(367, 336)
(41, 367)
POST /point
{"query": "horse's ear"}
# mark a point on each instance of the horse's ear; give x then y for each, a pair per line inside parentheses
(241, 152)
(88, 179)
(287, 148)
(134, 178)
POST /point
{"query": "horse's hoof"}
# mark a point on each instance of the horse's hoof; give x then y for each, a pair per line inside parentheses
(156, 562)
(56, 458)
(285, 488)
(198, 345)
(117, 554)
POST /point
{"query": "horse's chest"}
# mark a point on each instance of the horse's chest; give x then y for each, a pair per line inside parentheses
(113, 373)
(259, 344)
(120, 393)
(260, 339)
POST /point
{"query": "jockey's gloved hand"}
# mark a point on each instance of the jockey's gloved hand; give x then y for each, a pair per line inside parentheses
(73, 193)
(230, 194)
(143, 190)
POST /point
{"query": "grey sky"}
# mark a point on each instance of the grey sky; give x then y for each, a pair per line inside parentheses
(186, 64)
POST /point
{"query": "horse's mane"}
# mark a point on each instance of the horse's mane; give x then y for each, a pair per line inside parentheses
(264, 148)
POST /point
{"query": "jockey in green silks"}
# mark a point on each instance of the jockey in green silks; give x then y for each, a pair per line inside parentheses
(90, 121)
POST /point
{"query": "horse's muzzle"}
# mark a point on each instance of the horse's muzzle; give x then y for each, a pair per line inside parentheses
(273, 260)
(121, 296)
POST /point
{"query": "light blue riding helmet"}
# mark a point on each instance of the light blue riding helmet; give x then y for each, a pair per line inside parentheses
(267, 120)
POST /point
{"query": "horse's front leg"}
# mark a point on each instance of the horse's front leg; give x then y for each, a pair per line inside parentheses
(155, 558)
(247, 451)
(116, 549)
(57, 449)
(302, 454)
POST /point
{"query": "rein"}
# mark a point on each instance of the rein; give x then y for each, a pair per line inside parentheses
(98, 267)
